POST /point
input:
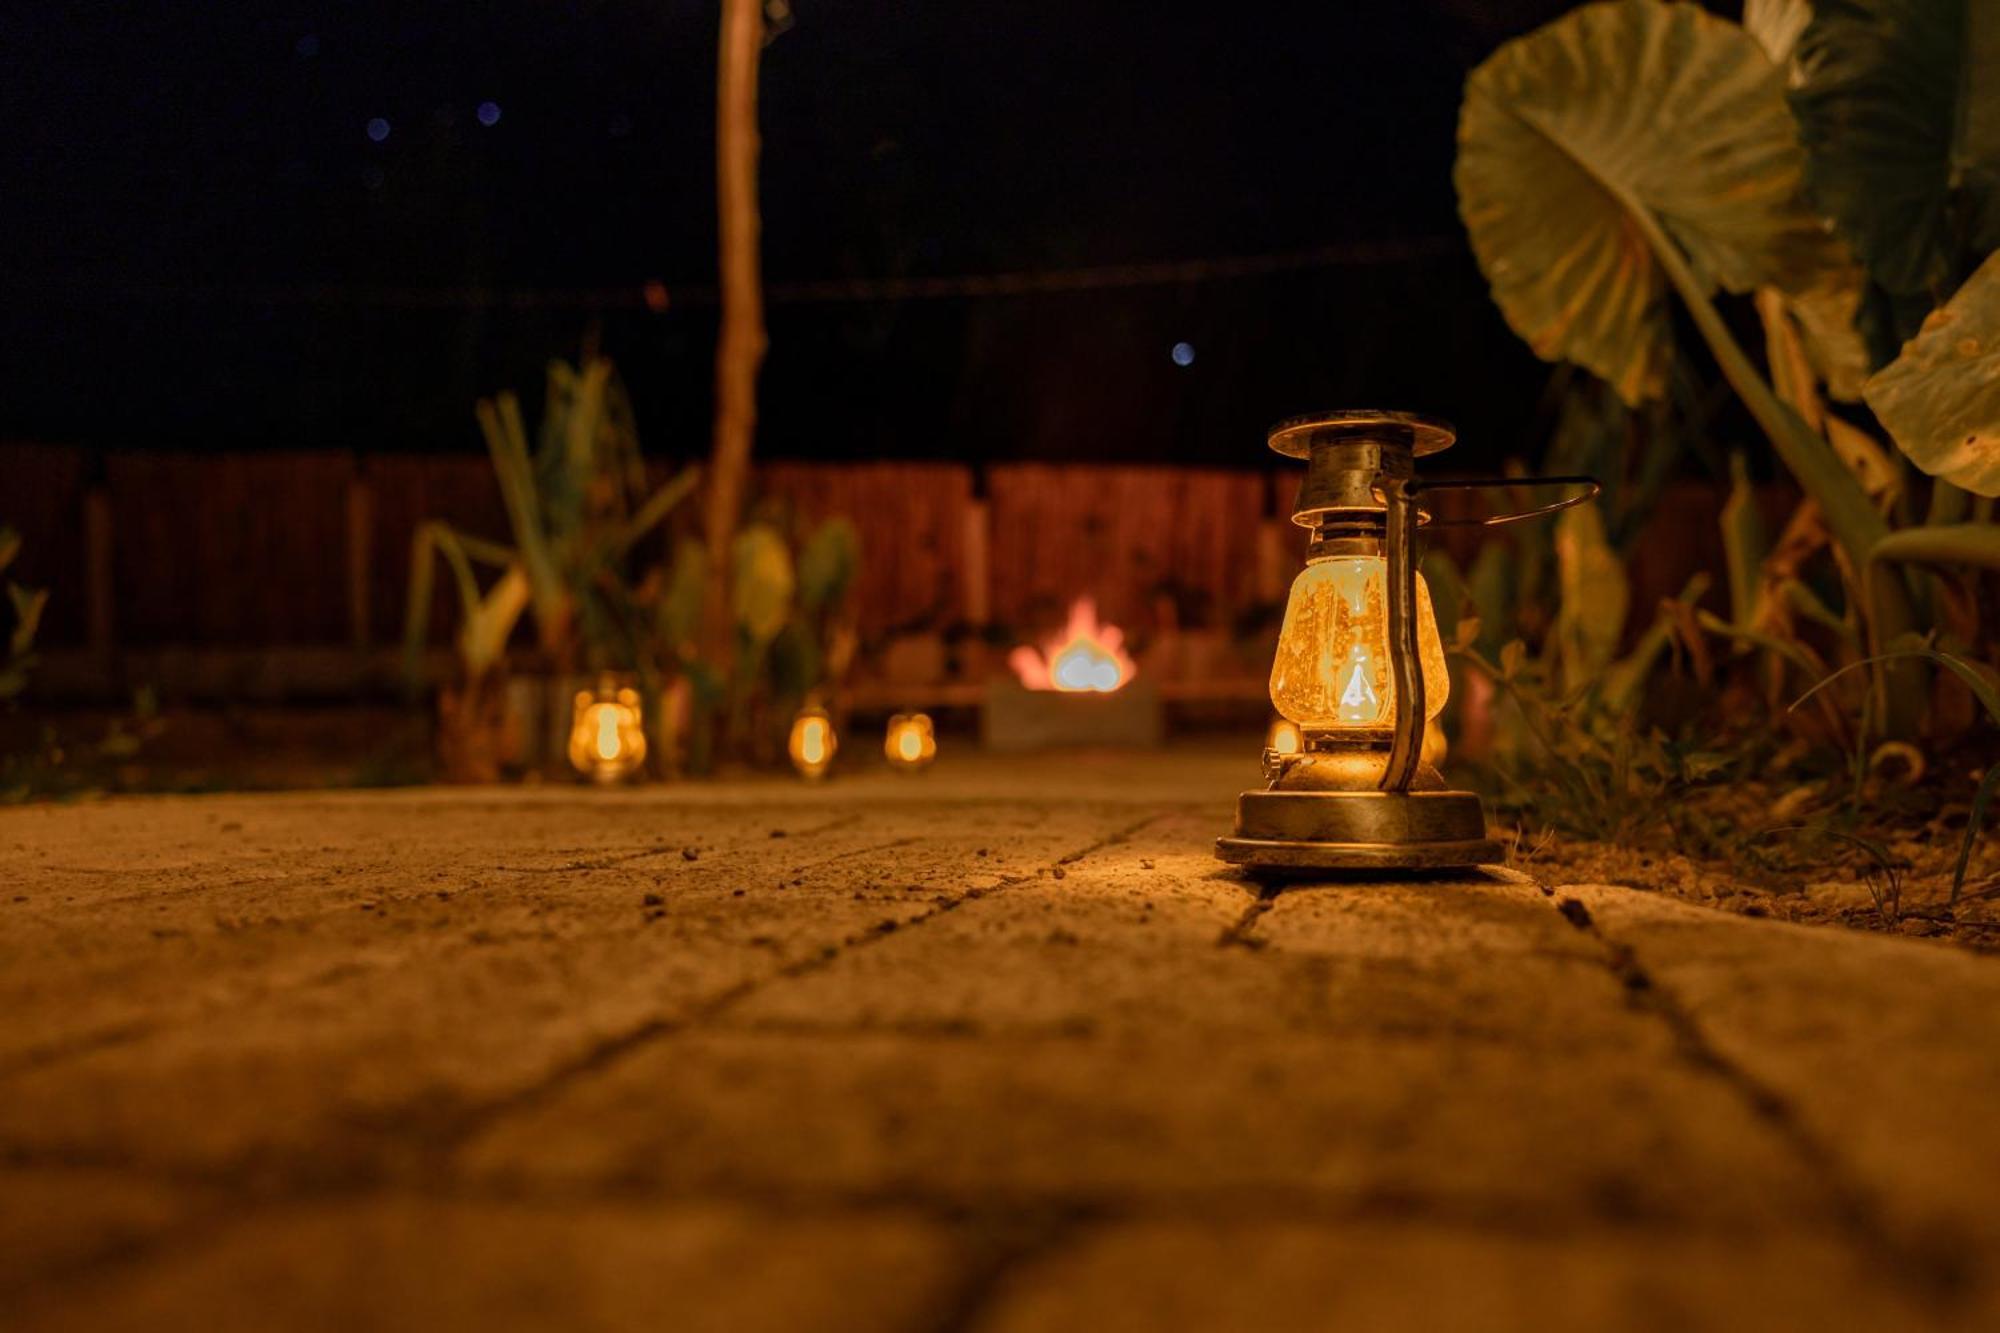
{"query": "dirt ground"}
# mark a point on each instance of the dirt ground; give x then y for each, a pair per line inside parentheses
(1893, 876)
(997, 1047)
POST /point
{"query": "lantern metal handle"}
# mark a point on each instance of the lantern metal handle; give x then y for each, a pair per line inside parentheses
(1590, 489)
(1399, 498)
(1406, 744)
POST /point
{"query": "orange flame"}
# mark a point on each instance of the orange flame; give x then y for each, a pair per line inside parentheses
(1085, 658)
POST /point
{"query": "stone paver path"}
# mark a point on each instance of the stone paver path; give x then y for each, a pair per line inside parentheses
(999, 1048)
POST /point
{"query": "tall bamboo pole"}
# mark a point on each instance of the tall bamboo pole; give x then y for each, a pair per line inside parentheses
(740, 348)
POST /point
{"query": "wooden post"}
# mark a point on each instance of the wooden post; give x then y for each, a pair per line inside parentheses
(360, 553)
(101, 578)
(740, 349)
(976, 594)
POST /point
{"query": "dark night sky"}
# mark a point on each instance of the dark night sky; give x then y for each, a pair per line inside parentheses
(202, 247)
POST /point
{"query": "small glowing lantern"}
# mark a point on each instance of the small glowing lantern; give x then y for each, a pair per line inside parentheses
(1359, 674)
(910, 743)
(607, 732)
(812, 742)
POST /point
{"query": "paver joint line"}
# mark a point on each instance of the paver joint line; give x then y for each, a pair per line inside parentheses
(1237, 933)
(1929, 1275)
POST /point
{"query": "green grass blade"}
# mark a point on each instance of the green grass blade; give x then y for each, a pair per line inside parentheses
(1975, 679)
(1791, 652)
(1973, 821)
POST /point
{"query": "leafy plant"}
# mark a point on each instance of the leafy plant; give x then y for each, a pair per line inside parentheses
(1585, 764)
(577, 505)
(575, 508)
(1899, 117)
(793, 619)
(1633, 149)
(26, 605)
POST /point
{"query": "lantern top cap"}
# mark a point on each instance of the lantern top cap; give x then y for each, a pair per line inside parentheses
(1425, 435)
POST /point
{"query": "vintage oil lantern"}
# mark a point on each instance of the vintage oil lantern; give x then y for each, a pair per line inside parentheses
(910, 742)
(607, 734)
(1360, 669)
(812, 742)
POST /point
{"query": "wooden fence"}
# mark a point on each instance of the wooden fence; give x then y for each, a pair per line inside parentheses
(285, 547)
(148, 550)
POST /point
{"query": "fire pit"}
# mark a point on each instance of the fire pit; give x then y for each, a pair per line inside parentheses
(1079, 688)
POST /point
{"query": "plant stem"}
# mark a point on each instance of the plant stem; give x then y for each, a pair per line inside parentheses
(1850, 516)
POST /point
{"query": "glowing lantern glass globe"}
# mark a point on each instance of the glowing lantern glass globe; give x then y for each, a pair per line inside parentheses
(812, 742)
(1331, 672)
(607, 733)
(909, 743)
(1359, 673)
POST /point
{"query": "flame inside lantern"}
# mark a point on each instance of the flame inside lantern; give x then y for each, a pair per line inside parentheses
(607, 739)
(1085, 658)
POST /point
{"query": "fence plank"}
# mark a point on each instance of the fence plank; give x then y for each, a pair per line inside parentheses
(1149, 543)
(911, 517)
(229, 548)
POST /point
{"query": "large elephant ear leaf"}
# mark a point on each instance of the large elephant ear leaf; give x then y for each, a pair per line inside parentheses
(1940, 400)
(1776, 24)
(1612, 108)
(1898, 105)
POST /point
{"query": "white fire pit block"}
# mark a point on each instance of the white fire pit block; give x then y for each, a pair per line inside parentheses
(1014, 718)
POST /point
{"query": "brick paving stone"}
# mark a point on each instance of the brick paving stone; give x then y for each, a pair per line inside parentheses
(1000, 1047)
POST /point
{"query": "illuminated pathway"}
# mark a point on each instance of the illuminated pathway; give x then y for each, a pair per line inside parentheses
(995, 1048)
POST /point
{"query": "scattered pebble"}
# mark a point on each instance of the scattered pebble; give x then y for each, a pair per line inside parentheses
(737, 893)
(690, 854)
(1061, 873)
(651, 900)
(980, 852)
(1145, 865)
(777, 833)
(884, 927)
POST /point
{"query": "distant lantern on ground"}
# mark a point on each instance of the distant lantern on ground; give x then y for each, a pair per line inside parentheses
(812, 742)
(910, 743)
(1359, 672)
(607, 732)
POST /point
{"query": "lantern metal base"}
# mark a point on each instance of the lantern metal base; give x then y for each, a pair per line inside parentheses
(1289, 833)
